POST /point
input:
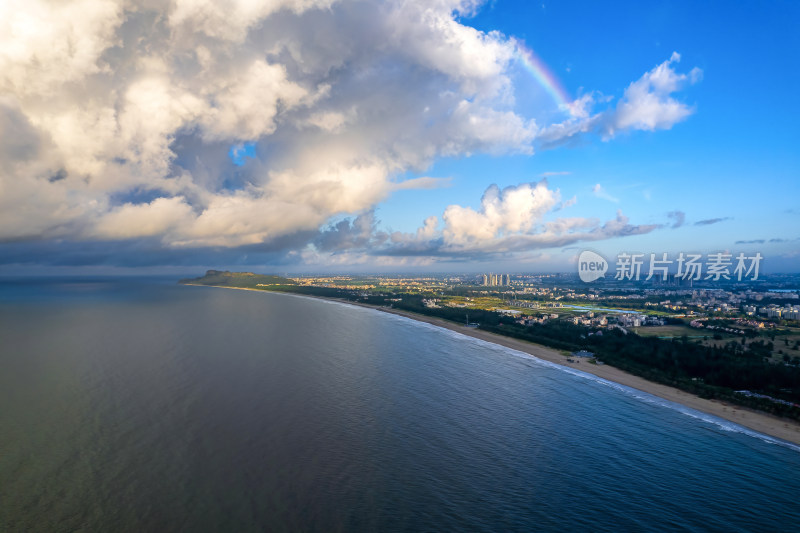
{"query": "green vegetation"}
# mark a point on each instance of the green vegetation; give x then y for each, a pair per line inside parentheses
(667, 331)
(246, 280)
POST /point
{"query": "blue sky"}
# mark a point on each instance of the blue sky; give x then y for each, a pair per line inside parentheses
(362, 136)
(735, 158)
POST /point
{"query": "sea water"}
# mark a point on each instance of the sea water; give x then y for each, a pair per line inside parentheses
(141, 405)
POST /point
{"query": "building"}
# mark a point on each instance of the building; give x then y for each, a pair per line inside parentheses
(791, 315)
(773, 312)
(631, 320)
(496, 280)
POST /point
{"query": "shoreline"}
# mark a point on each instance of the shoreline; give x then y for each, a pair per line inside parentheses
(773, 426)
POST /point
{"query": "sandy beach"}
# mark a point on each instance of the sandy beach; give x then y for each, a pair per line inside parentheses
(785, 429)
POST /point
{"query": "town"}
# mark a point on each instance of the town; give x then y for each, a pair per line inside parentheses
(708, 313)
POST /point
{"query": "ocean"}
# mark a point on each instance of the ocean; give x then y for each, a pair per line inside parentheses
(141, 405)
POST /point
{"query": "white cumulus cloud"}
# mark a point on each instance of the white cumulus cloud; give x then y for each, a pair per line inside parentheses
(117, 117)
(503, 212)
(647, 104)
(516, 219)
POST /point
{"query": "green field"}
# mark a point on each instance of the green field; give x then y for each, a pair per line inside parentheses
(670, 331)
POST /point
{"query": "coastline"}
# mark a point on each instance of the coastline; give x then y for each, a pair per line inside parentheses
(784, 429)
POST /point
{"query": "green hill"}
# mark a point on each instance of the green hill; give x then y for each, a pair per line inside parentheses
(237, 279)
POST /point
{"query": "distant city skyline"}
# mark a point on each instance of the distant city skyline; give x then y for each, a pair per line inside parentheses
(414, 136)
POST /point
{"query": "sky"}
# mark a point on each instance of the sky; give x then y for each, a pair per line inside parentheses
(416, 135)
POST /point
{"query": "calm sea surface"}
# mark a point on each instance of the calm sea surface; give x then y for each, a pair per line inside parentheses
(140, 405)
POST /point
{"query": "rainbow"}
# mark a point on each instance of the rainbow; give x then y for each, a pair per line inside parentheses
(543, 75)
